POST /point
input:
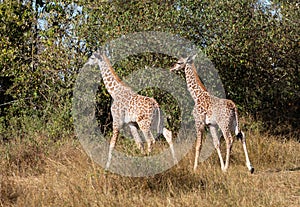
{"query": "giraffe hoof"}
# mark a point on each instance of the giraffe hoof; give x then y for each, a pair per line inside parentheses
(252, 170)
(224, 170)
(175, 161)
(141, 148)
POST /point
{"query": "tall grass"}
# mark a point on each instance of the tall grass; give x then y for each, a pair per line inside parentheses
(39, 172)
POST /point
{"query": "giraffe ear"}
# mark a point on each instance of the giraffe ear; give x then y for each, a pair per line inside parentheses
(191, 58)
(97, 54)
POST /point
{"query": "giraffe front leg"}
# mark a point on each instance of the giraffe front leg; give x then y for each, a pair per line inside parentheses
(199, 129)
(112, 146)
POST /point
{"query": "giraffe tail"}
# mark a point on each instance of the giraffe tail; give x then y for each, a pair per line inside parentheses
(238, 133)
(158, 120)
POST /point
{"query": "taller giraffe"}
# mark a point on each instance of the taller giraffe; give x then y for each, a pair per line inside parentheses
(128, 107)
(212, 112)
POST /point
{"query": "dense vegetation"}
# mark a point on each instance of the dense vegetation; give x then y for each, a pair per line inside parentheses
(253, 44)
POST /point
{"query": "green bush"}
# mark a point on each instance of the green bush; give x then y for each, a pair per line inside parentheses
(254, 46)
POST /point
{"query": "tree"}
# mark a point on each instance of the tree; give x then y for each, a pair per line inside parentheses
(44, 44)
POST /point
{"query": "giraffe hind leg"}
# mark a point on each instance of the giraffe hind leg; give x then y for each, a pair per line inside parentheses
(216, 141)
(168, 135)
(149, 139)
(229, 141)
(137, 138)
(248, 163)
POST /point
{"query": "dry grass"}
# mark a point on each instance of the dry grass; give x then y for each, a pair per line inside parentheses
(38, 172)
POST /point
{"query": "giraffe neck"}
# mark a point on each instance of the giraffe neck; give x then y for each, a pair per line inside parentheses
(112, 82)
(194, 84)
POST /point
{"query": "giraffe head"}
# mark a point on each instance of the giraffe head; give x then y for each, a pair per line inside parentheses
(182, 62)
(95, 57)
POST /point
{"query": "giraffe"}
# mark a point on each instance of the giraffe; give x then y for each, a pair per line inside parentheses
(130, 108)
(211, 111)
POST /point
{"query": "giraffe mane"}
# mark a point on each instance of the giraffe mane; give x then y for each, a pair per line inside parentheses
(197, 78)
(105, 58)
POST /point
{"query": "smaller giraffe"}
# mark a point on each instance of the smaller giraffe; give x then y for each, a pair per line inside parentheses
(211, 111)
(130, 108)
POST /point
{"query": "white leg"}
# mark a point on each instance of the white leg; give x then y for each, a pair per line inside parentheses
(199, 124)
(248, 163)
(168, 135)
(117, 124)
(149, 139)
(216, 140)
(137, 138)
(111, 146)
(229, 141)
(199, 129)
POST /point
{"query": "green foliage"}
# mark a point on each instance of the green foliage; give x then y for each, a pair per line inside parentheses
(255, 48)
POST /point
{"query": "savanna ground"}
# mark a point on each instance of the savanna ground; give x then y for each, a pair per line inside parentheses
(36, 171)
